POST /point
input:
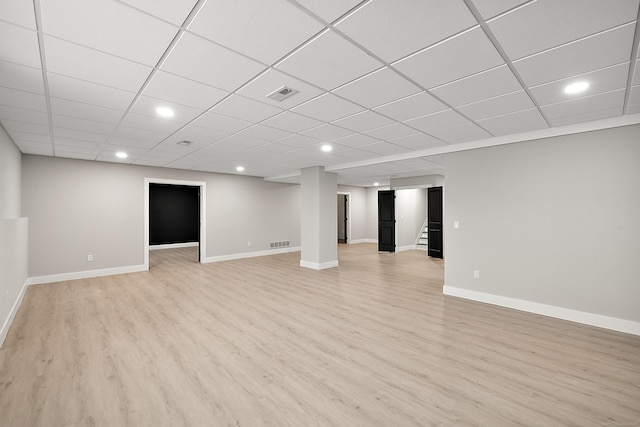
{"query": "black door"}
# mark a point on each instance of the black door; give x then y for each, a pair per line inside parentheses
(434, 217)
(386, 221)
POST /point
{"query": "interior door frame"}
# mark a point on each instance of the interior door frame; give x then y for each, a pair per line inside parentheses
(348, 201)
(202, 237)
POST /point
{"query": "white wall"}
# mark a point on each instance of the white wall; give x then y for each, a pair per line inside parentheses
(13, 234)
(551, 222)
(77, 208)
(372, 212)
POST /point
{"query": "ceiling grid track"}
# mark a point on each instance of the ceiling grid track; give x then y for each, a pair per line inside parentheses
(635, 52)
(43, 63)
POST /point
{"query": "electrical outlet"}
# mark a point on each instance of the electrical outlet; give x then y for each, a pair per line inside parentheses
(89, 258)
(476, 274)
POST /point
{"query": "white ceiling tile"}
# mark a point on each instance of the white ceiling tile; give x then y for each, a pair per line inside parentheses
(585, 104)
(499, 105)
(21, 99)
(128, 143)
(356, 140)
(327, 108)
(327, 132)
(490, 8)
(236, 143)
(29, 137)
(266, 30)
(291, 122)
(200, 60)
(110, 27)
(75, 155)
(418, 141)
(174, 11)
(487, 84)
(88, 93)
(437, 120)
(40, 150)
(634, 97)
(521, 121)
(245, 108)
(80, 110)
(19, 45)
(181, 114)
(363, 121)
(544, 24)
(329, 61)
(274, 148)
(329, 10)
(264, 133)
(72, 144)
(90, 65)
(172, 88)
(299, 141)
(274, 80)
(603, 50)
(588, 116)
(33, 128)
(200, 136)
(633, 109)
(384, 148)
(394, 29)
(461, 133)
(393, 131)
(603, 80)
(20, 77)
(377, 88)
(92, 148)
(145, 161)
(79, 134)
(143, 135)
(138, 121)
(19, 12)
(222, 123)
(22, 115)
(411, 107)
(460, 56)
(67, 122)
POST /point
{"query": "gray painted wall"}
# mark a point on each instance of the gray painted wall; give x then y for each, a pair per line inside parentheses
(553, 221)
(77, 208)
(13, 233)
(358, 203)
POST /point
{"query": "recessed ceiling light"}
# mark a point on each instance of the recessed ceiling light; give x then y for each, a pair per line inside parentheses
(576, 87)
(326, 148)
(121, 155)
(375, 184)
(164, 112)
(240, 168)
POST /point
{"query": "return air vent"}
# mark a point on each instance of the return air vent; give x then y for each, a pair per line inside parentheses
(283, 93)
(283, 244)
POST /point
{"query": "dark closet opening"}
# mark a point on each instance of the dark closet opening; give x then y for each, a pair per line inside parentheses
(174, 214)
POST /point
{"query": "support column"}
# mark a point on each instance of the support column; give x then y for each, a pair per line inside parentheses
(319, 220)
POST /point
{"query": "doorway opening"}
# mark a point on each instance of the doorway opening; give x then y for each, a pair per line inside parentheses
(201, 229)
(344, 215)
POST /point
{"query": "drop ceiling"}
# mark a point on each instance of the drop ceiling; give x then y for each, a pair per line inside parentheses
(384, 82)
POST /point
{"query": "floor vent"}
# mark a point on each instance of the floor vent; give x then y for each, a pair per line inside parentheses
(282, 244)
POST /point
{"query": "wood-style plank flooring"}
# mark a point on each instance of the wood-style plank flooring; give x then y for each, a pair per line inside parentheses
(263, 342)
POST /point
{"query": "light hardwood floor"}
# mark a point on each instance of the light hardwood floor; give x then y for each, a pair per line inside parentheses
(263, 342)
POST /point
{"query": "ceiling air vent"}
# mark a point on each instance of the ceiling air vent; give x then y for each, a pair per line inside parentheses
(281, 94)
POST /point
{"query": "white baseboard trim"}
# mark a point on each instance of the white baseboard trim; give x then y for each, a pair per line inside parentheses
(251, 254)
(356, 241)
(173, 246)
(606, 322)
(84, 274)
(405, 248)
(318, 266)
(12, 314)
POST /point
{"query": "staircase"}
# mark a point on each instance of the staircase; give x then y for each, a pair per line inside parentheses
(422, 240)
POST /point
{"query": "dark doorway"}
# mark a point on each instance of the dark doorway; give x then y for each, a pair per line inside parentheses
(434, 222)
(343, 201)
(174, 214)
(386, 221)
